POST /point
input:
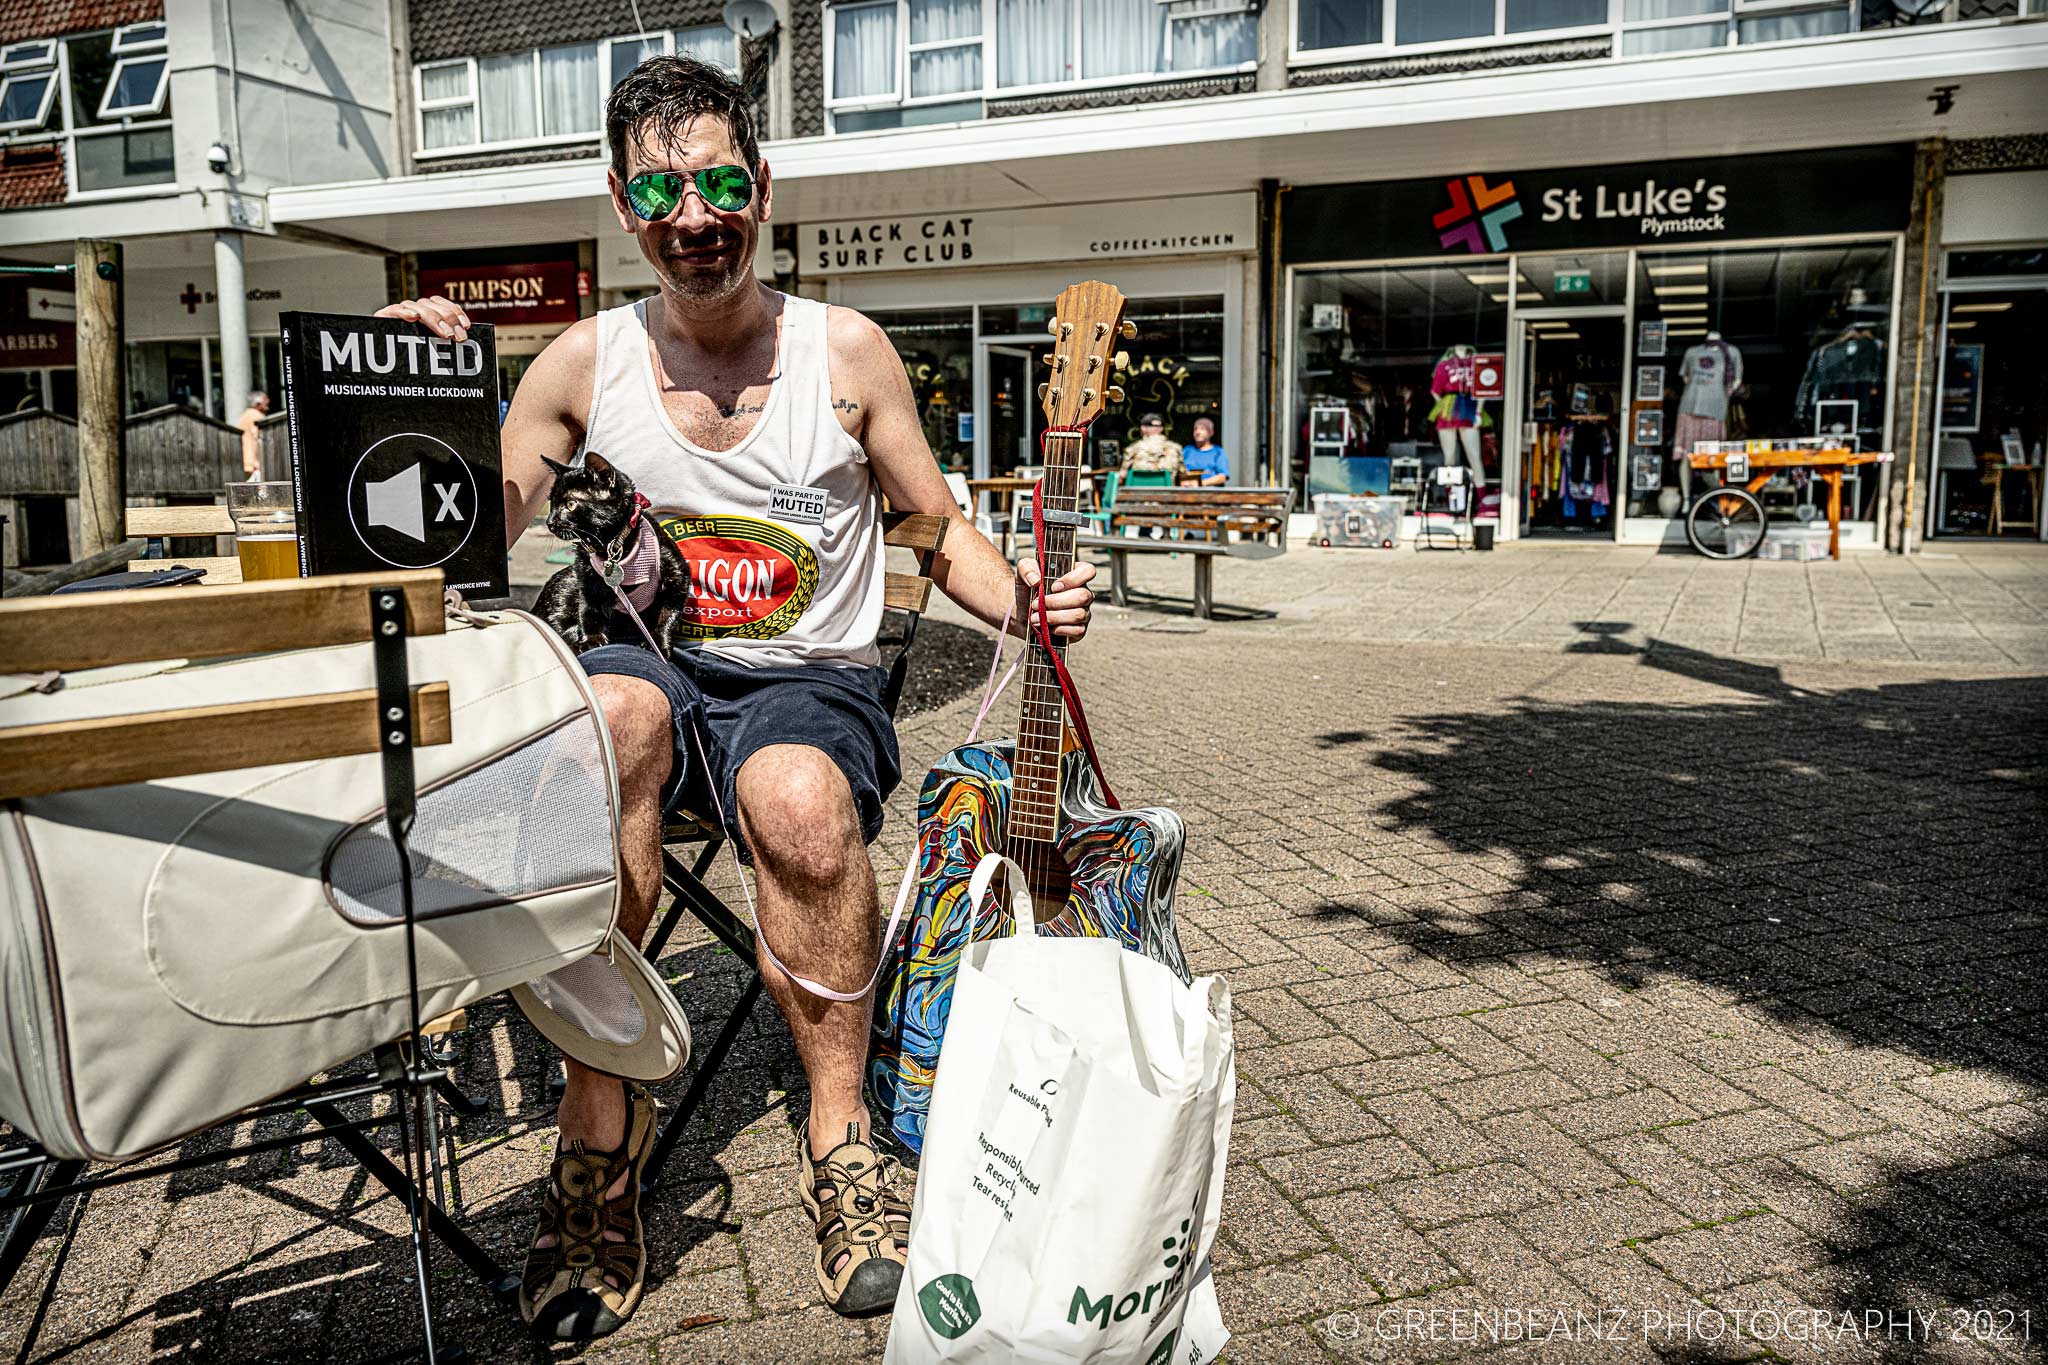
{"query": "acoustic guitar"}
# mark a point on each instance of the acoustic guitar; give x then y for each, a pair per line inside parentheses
(1111, 872)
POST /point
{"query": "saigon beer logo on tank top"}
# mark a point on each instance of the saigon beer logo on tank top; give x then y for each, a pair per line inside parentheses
(748, 579)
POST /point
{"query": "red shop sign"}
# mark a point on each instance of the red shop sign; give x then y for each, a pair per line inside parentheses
(510, 295)
(1489, 375)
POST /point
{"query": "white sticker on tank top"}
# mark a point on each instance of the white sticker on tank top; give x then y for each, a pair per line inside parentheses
(793, 502)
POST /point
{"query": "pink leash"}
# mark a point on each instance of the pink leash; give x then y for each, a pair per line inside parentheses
(989, 692)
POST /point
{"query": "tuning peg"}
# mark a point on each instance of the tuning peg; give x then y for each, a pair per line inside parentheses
(1087, 397)
(1127, 330)
(1122, 360)
(1047, 357)
(1115, 393)
(1043, 390)
(1066, 330)
(1052, 326)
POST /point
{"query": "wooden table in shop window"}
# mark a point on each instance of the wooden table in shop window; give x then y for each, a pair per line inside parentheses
(1828, 464)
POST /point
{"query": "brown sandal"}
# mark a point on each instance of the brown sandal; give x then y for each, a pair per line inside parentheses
(587, 1285)
(863, 1222)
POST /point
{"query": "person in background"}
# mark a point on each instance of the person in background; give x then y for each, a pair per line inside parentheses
(1206, 460)
(1152, 452)
(252, 444)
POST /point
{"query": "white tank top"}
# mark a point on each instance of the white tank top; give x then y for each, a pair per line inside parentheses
(783, 533)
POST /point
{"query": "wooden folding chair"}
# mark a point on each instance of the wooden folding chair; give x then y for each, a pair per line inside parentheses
(920, 533)
(72, 633)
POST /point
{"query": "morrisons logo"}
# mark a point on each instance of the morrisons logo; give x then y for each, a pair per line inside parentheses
(1113, 1308)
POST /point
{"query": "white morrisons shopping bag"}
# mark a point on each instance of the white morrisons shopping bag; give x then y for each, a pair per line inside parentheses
(1072, 1175)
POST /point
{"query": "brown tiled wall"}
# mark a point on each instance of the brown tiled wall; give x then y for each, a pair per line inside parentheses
(54, 18)
(31, 175)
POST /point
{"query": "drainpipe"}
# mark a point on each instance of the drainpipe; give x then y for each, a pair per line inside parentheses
(230, 286)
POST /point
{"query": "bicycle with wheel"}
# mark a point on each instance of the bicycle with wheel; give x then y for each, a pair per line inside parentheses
(1729, 522)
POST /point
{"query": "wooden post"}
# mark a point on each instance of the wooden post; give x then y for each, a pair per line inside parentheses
(102, 389)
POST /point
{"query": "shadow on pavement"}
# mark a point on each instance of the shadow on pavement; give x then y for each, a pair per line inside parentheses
(1863, 867)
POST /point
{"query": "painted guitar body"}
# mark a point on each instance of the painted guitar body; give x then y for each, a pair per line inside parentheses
(1122, 865)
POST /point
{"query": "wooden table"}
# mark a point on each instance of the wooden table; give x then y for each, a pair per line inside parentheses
(1828, 463)
(1994, 472)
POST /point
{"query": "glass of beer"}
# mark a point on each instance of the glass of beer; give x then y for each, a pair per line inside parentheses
(266, 530)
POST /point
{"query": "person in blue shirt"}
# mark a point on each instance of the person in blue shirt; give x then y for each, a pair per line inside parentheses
(1205, 459)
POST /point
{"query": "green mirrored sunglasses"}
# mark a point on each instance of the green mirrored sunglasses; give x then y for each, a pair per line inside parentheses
(656, 194)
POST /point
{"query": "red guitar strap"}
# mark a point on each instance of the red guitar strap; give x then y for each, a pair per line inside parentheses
(1059, 665)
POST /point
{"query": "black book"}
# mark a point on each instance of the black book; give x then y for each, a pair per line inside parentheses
(395, 449)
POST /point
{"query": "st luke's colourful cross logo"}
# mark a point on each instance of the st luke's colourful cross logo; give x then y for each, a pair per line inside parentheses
(1483, 207)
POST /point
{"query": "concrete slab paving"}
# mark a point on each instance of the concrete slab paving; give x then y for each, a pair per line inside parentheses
(1661, 939)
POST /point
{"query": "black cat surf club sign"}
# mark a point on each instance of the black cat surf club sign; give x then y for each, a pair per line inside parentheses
(394, 439)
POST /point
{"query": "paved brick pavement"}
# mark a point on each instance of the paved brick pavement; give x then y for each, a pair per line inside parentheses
(1644, 988)
(1977, 604)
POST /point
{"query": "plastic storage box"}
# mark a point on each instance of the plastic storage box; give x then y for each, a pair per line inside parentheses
(1345, 520)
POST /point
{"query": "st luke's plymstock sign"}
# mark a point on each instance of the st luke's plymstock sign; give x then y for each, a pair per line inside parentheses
(1580, 208)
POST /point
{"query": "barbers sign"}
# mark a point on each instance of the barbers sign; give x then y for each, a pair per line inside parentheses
(1207, 225)
(1706, 200)
(395, 459)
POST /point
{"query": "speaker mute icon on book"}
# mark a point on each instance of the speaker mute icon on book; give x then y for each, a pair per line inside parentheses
(395, 502)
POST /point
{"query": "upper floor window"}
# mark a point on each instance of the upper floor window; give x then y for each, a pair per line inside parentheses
(892, 63)
(1344, 29)
(106, 95)
(544, 95)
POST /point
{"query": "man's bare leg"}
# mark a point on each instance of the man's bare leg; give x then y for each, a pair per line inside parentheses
(818, 907)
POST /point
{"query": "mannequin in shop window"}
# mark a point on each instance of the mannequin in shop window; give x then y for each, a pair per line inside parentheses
(1712, 372)
(1587, 446)
(1848, 366)
(1456, 413)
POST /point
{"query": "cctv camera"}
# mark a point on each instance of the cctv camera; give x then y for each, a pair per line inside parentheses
(218, 158)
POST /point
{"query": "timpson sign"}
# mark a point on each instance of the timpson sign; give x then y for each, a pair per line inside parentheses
(1220, 224)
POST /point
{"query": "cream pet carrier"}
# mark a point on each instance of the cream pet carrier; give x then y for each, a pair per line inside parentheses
(175, 950)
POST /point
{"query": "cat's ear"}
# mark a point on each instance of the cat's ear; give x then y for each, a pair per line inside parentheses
(597, 464)
(555, 465)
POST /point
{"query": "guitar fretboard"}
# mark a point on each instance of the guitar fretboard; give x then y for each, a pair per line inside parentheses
(1035, 771)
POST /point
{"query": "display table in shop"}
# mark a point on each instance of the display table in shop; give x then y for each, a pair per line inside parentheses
(1767, 460)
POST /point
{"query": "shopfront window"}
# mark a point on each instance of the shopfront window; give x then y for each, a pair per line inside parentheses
(937, 349)
(1994, 414)
(1176, 369)
(1771, 343)
(1386, 384)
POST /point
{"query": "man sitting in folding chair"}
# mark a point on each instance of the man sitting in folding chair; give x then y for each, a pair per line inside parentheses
(771, 426)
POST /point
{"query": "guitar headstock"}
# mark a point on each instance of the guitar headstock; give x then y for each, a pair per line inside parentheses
(1087, 323)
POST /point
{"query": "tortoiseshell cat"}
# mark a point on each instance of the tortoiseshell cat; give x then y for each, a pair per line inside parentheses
(595, 508)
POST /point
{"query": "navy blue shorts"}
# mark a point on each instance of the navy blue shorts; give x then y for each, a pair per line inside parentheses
(739, 710)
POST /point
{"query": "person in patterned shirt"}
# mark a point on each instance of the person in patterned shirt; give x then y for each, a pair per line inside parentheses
(1152, 452)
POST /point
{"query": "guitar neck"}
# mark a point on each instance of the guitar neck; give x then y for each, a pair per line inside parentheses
(1041, 729)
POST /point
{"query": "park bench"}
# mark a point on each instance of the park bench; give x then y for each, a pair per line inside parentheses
(1196, 522)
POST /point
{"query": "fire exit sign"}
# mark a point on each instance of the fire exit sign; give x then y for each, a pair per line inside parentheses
(1572, 282)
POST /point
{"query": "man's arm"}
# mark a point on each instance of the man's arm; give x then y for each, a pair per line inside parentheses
(252, 448)
(866, 370)
(549, 409)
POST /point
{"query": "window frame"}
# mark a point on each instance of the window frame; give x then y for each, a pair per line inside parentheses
(607, 78)
(13, 59)
(990, 87)
(148, 108)
(52, 79)
(1616, 26)
(69, 132)
(124, 43)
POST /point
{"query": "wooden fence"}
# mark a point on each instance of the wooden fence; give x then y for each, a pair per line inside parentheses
(173, 452)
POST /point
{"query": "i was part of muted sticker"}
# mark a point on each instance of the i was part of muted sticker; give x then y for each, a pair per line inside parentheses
(794, 502)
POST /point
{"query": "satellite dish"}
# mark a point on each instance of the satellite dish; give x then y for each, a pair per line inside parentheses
(750, 18)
